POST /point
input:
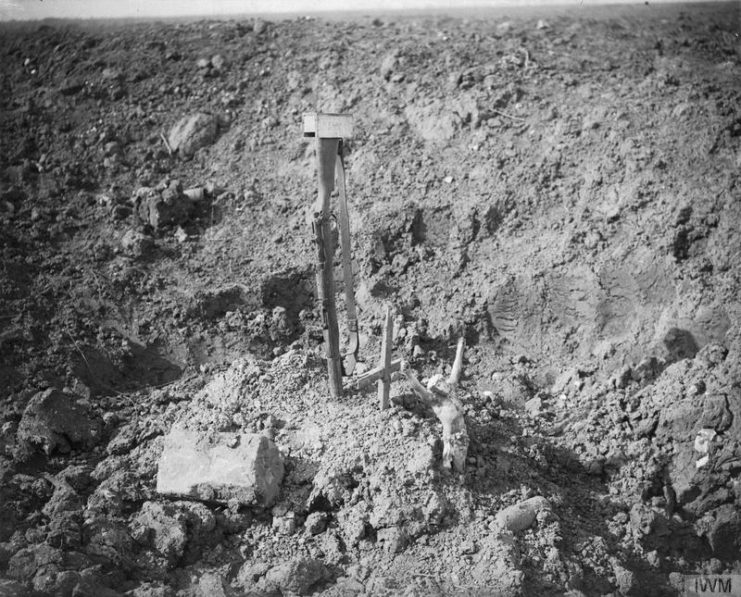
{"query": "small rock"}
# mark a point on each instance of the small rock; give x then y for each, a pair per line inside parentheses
(711, 355)
(170, 206)
(10, 588)
(297, 576)
(316, 523)
(31, 561)
(180, 235)
(647, 369)
(703, 440)
(55, 422)
(112, 148)
(388, 65)
(211, 584)
(542, 24)
(160, 526)
(259, 26)
(112, 74)
(622, 378)
(676, 580)
(624, 579)
(285, 524)
(612, 213)
(522, 515)
(393, 539)
(654, 559)
(468, 547)
(349, 586)
(642, 520)
(207, 469)
(203, 63)
(716, 414)
(250, 574)
(533, 406)
(218, 62)
(151, 590)
(725, 533)
(697, 388)
(564, 381)
(592, 239)
(435, 510)
(64, 499)
(136, 243)
(191, 133)
(504, 27)
(351, 523)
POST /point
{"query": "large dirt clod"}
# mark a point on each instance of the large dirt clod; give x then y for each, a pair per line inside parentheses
(160, 526)
(162, 206)
(54, 421)
(297, 576)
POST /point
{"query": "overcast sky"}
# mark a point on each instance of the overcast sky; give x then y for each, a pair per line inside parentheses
(39, 9)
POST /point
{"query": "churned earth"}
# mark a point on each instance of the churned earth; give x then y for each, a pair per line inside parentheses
(562, 189)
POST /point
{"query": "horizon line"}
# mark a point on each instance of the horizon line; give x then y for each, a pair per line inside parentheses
(23, 11)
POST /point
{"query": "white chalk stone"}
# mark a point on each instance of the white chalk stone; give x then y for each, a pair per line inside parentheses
(220, 469)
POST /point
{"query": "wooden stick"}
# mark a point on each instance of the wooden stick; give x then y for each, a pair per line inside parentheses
(508, 115)
(384, 383)
(326, 154)
(455, 372)
(167, 144)
(374, 374)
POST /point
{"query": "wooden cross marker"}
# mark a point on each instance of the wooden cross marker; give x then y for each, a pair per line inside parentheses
(386, 365)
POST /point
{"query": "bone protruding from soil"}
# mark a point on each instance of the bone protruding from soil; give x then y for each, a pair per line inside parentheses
(442, 398)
